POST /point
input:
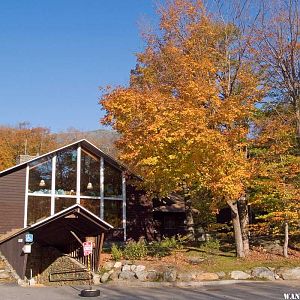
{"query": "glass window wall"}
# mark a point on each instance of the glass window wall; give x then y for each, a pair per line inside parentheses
(112, 181)
(89, 175)
(113, 213)
(38, 209)
(66, 166)
(40, 174)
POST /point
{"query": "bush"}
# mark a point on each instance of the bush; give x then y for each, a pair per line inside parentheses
(135, 250)
(211, 246)
(164, 247)
(116, 252)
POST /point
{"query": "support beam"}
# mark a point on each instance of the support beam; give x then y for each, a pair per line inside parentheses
(78, 174)
(102, 188)
(124, 204)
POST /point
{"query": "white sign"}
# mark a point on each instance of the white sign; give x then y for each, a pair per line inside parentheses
(87, 248)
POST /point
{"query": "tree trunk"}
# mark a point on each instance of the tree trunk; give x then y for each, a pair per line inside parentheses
(189, 215)
(244, 223)
(237, 229)
(297, 110)
(286, 239)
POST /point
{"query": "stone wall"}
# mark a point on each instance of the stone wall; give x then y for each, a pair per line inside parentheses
(46, 265)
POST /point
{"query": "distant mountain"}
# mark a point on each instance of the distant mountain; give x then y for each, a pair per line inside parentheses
(103, 139)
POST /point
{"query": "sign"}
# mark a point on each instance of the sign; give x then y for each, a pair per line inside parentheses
(28, 238)
(87, 248)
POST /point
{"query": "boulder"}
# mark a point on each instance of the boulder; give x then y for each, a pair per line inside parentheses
(186, 276)
(141, 275)
(108, 265)
(4, 275)
(289, 274)
(263, 273)
(140, 268)
(195, 260)
(133, 268)
(169, 275)
(117, 265)
(105, 277)
(126, 268)
(96, 279)
(115, 275)
(127, 275)
(221, 274)
(207, 276)
(239, 275)
(152, 275)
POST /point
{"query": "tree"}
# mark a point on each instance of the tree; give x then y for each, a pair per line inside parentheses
(278, 51)
(185, 117)
(23, 139)
(276, 187)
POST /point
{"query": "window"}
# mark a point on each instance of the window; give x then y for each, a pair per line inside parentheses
(90, 175)
(112, 182)
(63, 203)
(38, 208)
(40, 174)
(93, 205)
(113, 213)
(65, 177)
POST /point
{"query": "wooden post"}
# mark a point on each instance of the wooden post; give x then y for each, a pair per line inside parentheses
(100, 250)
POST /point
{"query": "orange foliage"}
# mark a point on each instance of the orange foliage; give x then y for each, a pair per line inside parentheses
(23, 140)
(185, 116)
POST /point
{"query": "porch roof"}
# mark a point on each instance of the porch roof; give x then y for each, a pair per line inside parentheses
(56, 229)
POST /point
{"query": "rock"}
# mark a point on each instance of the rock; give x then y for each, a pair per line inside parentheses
(170, 275)
(133, 268)
(186, 276)
(108, 265)
(127, 275)
(96, 279)
(140, 268)
(4, 275)
(289, 274)
(221, 274)
(115, 275)
(105, 277)
(117, 265)
(264, 273)
(126, 268)
(152, 275)
(141, 275)
(195, 260)
(110, 272)
(239, 275)
(207, 276)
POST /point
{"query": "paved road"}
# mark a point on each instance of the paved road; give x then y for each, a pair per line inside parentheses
(249, 291)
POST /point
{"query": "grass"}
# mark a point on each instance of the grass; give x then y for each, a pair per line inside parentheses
(226, 262)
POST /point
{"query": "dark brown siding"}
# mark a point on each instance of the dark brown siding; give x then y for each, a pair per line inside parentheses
(12, 200)
(12, 250)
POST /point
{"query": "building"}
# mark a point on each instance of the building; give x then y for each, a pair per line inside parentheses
(70, 195)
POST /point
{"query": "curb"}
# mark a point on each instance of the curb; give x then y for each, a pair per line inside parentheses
(181, 284)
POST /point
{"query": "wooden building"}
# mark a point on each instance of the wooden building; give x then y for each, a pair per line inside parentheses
(74, 191)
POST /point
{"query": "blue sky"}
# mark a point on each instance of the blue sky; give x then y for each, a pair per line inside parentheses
(54, 54)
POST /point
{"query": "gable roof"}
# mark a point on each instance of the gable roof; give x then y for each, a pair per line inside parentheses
(83, 142)
(76, 209)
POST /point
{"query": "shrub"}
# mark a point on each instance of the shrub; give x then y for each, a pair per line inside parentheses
(135, 250)
(211, 246)
(116, 252)
(164, 247)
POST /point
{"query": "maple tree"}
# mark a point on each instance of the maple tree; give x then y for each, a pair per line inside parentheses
(23, 139)
(184, 119)
(276, 187)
